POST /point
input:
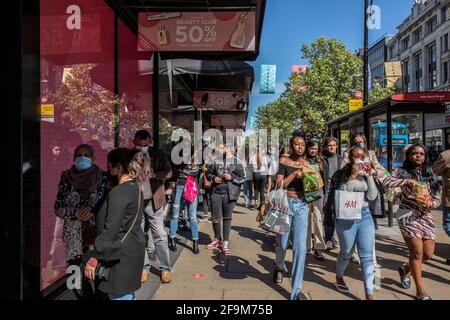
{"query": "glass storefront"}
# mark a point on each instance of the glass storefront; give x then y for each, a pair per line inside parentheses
(78, 104)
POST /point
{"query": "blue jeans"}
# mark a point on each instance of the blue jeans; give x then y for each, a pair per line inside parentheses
(359, 233)
(248, 191)
(298, 212)
(446, 220)
(128, 296)
(192, 213)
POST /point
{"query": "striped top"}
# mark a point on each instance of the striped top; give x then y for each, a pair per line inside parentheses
(398, 179)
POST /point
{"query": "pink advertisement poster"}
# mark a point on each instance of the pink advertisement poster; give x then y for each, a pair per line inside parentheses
(197, 31)
(221, 100)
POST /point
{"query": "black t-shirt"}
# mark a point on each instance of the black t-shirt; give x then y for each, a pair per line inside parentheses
(296, 184)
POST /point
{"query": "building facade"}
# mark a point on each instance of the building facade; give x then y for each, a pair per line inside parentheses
(422, 46)
(378, 55)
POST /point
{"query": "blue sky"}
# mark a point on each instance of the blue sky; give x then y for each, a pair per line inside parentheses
(288, 24)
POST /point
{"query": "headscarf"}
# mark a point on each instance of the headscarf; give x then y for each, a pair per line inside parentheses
(87, 180)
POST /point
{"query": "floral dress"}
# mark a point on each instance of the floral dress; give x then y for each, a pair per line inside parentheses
(77, 234)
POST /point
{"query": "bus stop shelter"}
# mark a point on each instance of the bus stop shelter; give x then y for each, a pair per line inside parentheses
(392, 124)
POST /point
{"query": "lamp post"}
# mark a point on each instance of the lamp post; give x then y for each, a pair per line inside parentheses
(366, 58)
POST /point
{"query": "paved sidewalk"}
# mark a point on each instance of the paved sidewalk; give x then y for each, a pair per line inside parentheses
(246, 274)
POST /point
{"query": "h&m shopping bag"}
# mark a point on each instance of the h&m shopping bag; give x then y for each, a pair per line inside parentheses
(277, 219)
(349, 205)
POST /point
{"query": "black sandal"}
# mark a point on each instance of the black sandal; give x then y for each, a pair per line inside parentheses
(404, 279)
(341, 288)
(424, 298)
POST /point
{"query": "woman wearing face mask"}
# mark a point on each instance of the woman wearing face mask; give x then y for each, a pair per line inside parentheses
(316, 236)
(80, 189)
(354, 177)
(379, 173)
(290, 176)
(414, 214)
(120, 244)
(227, 174)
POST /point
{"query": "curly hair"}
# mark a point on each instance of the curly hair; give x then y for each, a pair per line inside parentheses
(134, 163)
(139, 166)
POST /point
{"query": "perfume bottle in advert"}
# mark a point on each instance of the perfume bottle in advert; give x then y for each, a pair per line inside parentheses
(163, 36)
(238, 37)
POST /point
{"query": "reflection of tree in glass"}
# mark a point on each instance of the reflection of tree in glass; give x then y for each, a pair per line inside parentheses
(85, 104)
(79, 99)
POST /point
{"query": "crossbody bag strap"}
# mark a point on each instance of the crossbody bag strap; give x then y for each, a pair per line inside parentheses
(135, 217)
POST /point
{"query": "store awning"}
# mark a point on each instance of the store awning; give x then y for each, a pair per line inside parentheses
(134, 74)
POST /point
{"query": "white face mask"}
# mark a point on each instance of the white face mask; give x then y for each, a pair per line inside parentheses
(142, 149)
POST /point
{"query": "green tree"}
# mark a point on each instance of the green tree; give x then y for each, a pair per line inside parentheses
(379, 93)
(317, 96)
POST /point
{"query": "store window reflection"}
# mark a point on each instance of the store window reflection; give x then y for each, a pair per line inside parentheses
(76, 105)
(406, 130)
(135, 87)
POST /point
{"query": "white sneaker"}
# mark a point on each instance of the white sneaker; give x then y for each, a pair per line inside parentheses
(329, 245)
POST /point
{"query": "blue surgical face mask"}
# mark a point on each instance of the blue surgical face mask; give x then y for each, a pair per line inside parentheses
(362, 145)
(83, 163)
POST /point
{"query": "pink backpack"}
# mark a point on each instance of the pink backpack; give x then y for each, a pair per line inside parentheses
(190, 190)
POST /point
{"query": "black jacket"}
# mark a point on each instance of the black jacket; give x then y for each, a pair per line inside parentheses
(125, 260)
(237, 172)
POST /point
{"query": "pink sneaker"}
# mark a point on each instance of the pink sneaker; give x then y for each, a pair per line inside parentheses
(216, 244)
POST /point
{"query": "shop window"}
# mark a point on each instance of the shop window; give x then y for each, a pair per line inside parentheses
(76, 107)
(135, 81)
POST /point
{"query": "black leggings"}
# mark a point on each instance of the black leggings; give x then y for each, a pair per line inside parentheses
(222, 209)
(260, 182)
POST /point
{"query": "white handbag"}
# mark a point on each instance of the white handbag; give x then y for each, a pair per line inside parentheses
(349, 205)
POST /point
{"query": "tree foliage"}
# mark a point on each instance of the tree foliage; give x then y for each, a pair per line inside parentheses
(321, 94)
(379, 93)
